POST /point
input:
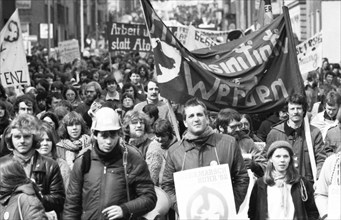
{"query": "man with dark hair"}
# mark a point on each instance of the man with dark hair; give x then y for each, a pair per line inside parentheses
(25, 104)
(52, 100)
(294, 132)
(201, 147)
(327, 118)
(153, 93)
(228, 122)
(112, 97)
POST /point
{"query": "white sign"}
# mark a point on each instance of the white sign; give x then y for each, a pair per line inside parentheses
(44, 31)
(200, 38)
(13, 64)
(309, 54)
(23, 4)
(205, 193)
(68, 51)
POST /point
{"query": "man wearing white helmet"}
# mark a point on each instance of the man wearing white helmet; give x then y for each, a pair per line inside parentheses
(101, 176)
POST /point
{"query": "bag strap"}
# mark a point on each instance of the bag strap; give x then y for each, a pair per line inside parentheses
(19, 207)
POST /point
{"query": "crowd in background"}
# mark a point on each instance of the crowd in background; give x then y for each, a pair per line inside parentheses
(62, 101)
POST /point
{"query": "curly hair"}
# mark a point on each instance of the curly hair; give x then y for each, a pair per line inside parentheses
(24, 122)
(70, 119)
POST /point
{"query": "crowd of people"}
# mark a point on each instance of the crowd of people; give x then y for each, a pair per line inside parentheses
(93, 139)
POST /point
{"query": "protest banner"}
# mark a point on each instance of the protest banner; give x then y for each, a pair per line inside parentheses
(205, 193)
(13, 64)
(68, 51)
(309, 54)
(128, 37)
(252, 74)
(180, 33)
(201, 38)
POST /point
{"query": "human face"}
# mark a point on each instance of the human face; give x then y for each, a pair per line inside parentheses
(135, 78)
(107, 140)
(329, 79)
(112, 87)
(2, 112)
(196, 120)
(91, 94)
(23, 108)
(45, 145)
(22, 141)
(130, 91)
(136, 128)
(128, 102)
(163, 139)
(70, 95)
(331, 110)
(245, 125)
(74, 131)
(280, 160)
(295, 112)
(234, 127)
(153, 91)
(55, 102)
(96, 76)
(50, 121)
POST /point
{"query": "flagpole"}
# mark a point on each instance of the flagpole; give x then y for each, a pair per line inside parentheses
(48, 28)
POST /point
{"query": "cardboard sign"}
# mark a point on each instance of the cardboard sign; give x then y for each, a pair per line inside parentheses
(309, 54)
(205, 193)
(128, 37)
(13, 64)
(200, 38)
(68, 51)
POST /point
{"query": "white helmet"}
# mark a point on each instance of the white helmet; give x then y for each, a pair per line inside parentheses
(106, 119)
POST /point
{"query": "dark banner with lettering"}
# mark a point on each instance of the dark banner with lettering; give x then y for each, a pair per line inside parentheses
(128, 37)
(252, 74)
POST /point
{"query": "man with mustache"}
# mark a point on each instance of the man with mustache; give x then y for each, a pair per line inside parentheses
(228, 122)
(293, 131)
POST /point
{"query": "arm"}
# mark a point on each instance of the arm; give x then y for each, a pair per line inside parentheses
(320, 154)
(73, 204)
(322, 184)
(253, 202)
(310, 205)
(168, 181)
(154, 160)
(143, 187)
(239, 176)
(55, 196)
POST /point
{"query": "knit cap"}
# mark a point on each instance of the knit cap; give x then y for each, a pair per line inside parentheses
(279, 144)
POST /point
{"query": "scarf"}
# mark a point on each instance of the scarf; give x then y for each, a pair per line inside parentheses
(23, 159)
(280, 182)
(291, 131)
(110, 157)
(77, 145)
(201, 138)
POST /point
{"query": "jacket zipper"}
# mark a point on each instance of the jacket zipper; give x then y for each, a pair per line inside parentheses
(102, 189)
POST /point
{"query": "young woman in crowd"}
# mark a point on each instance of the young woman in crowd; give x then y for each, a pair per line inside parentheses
(73, 134)
(282, 193)
(19, 196)
(49, 139)
(51, 119)
(71, 94)
(131, 89)
(135, 79)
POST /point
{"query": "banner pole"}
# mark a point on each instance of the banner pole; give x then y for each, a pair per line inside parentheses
(310, 147)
